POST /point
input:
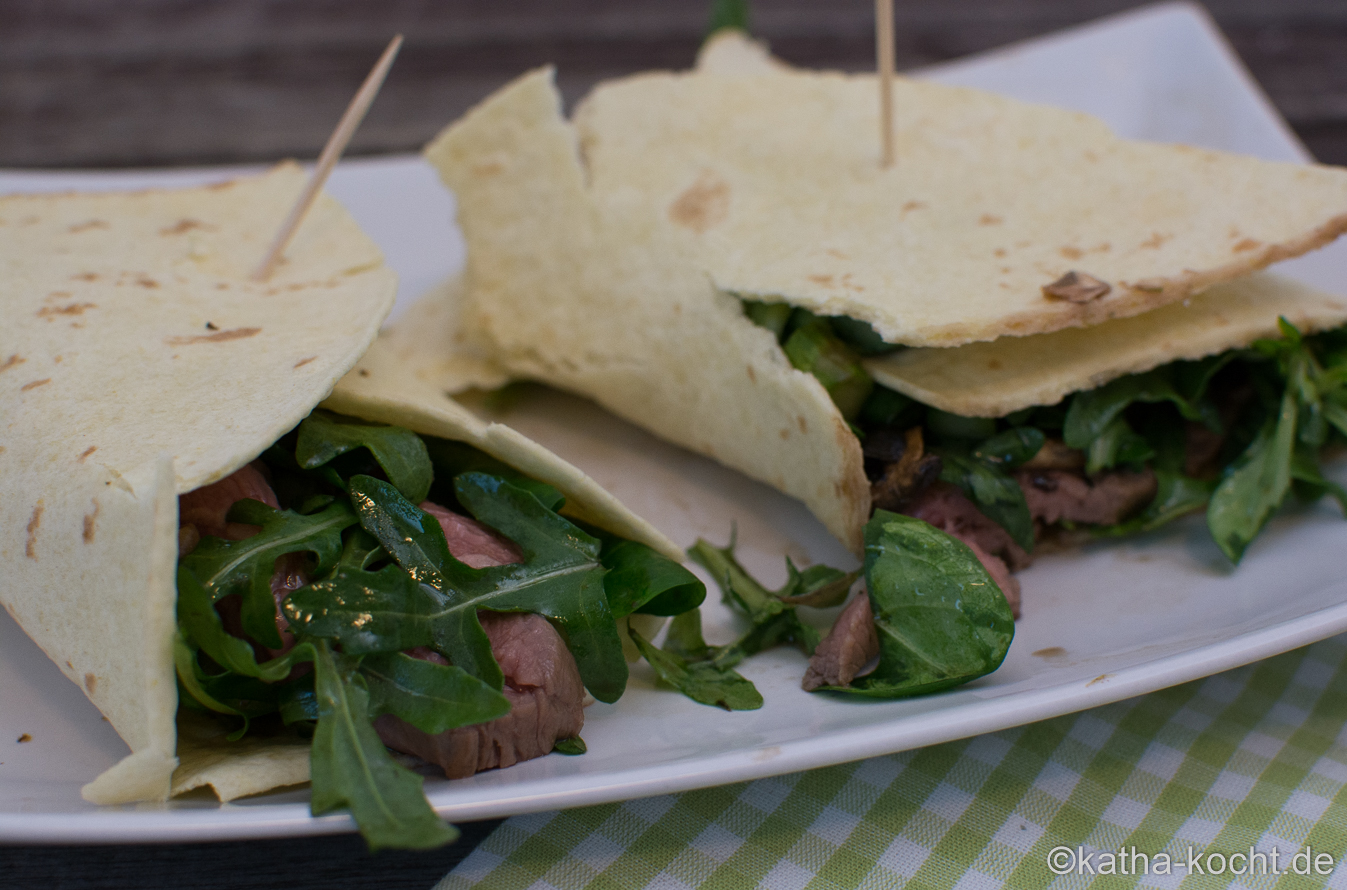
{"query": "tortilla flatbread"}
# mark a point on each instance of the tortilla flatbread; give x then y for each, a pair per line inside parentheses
(768, 179)
(601, 303)
(138, 362)
(1005, 375)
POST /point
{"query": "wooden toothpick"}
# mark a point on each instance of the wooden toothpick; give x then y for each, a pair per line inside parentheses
(336, 144)
(884, 57)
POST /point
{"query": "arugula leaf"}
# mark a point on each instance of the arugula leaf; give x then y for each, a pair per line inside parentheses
(815, 349)
(452, 458)
(995, 493)
(245, 567)
(324, 436)
(560, 578)
(570, 747)
(350, 767)
(700, 680)
(1091, 412)
(1012, 447)
(942, 621)
(641, 580)
(432, 697)
(728, 14)
(1256, 484)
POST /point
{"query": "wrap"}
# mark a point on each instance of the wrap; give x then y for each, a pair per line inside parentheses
(611, 255)
(138, 362)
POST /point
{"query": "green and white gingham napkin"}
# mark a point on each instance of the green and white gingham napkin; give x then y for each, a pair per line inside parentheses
(1251, 760)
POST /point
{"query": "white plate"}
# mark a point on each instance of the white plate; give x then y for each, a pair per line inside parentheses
(1101, 624)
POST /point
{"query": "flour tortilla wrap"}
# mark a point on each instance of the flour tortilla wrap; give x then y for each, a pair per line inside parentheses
(587, 274)
(139, 361)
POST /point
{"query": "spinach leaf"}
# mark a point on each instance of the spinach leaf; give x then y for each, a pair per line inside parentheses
(641, 580)
(941, 619)
(699, 679)
(245, 567)
(400, 452)
(350, 767)
(1255, 485)
(432, 697)
(995, 492)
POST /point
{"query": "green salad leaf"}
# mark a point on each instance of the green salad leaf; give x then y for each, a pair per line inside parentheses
(323, 436)
(815, 349)
(350, 767)
(772, 620)
(941, 619)
(686, 664)
(432, 697)
(995, 492)
(451, 459)
(1256, 484)
(641, 580)
(245, 567)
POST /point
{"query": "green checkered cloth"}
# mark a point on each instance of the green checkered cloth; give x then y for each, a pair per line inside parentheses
(1252, 758)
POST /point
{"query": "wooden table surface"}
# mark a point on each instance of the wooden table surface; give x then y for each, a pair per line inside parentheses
(85, 83)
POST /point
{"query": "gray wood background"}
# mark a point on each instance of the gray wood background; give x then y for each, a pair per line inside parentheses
(136, 82)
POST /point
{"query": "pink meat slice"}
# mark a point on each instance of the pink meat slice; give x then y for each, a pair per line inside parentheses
(945, 507)
(203, 512)
(846, 649)
(542, 684)
(472, 543)
(1103, 499)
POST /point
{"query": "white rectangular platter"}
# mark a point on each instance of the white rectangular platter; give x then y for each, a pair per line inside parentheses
(1104, 623)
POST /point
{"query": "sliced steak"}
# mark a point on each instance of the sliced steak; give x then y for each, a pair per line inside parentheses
(1104, 499)
(846, 649)
(472, 543)
(204, 512)
(546, 703)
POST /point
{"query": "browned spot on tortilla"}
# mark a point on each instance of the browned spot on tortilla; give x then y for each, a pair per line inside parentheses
(183, 226)
(25, 738)
(802, 423)
(491, 168)
(1155, 241)
(88, 451)
(994, 364)
(1090, 155)
(12, 361)
(69, 665)
(1000, 251)
(824, 280)
(86, 226)
(90, 520)
(1098, 679)
(988, 219)
(850, 285)
(50, 312)
(304, 361)
(218, 337)
(221, 186)
(752, 375)
(90, 683)
(30, 548)
(57, 295)
(1247, 244)
(57, 359)
(1050, 652)
(1076, 287)
(86, 276)
(1071, 253)
(913, 205)
(706, 203)
(785, 433)
(834, 252)
(146, 281)
(363, 372)
(35, 384)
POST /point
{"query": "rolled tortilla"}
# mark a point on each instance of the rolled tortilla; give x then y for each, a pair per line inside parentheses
(138, 361)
